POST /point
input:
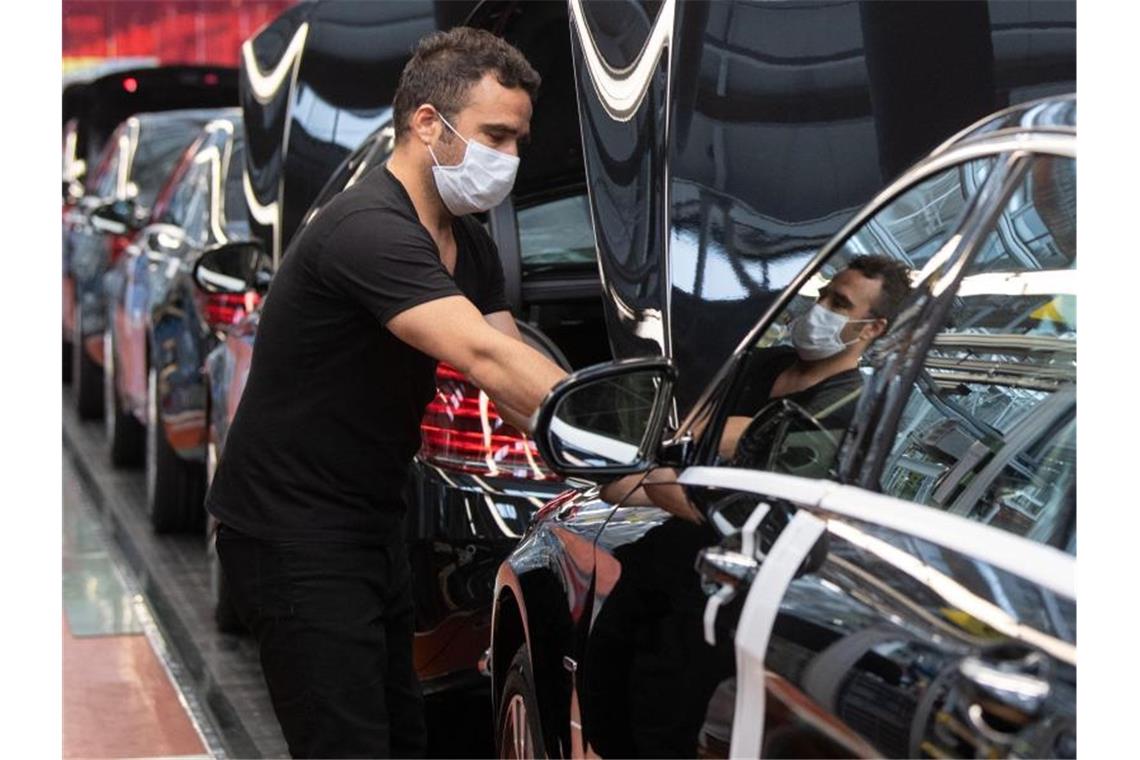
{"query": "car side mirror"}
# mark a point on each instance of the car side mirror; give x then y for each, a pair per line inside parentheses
(233, 268)
(606, 420)
(116, 217)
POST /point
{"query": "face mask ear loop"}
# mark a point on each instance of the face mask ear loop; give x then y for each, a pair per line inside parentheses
(453, 129)
(448, 124)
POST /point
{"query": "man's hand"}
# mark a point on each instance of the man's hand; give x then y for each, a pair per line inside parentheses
(657, 489)
(452, 330)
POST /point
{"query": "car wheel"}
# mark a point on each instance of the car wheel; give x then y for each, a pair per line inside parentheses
(173, 486)
(124, 433)
(86, 375)
(519, 732)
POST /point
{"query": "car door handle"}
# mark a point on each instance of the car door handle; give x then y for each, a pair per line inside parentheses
(729, 571)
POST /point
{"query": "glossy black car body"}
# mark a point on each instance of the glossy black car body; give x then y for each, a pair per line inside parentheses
(903, 586)
(120, 193)
(160, 327)
(726, 142)
(315, 82)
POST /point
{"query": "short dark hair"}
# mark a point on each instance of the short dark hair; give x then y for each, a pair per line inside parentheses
(445, 65)
(895, 278)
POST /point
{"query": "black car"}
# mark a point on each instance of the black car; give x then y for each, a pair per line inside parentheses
(160, 327)
(119, 196)
(902, 585)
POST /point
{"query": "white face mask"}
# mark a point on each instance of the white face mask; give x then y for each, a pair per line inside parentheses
(479, 182)
(815, 334)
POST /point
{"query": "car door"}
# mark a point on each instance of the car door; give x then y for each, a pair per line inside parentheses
(928, 608)
(147, 276)
(659, 662)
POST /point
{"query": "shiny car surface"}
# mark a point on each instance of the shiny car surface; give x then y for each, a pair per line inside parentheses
(119, 196)
(726, 142)
(902, 585)
(160, 328)
(315, 82)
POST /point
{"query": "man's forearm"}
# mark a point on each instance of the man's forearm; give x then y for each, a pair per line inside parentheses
(517, 377)
(514, 417)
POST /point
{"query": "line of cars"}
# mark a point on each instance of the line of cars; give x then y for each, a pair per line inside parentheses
(675, 243)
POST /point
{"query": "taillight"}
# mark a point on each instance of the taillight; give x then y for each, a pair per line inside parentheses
(221, 310)
(461, 430)
(119, 244)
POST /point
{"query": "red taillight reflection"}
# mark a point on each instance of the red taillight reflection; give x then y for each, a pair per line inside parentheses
(221, 310)
(130, 84)
(461, 430)
(210, 79)
(119, 244)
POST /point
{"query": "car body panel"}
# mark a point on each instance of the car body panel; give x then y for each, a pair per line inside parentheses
(305, 104)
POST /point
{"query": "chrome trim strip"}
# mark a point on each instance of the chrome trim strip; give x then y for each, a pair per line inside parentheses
(1041, 564)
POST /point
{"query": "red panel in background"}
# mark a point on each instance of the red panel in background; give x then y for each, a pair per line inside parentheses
(171, 31)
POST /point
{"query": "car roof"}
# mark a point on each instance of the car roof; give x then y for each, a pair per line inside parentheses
(201, 115)
(1056, 115)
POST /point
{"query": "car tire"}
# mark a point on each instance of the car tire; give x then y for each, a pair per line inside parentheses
(174, 491)
(518, 728)
(86, 375)
(126, 437)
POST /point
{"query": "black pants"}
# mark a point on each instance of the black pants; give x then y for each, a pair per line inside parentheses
(334, 627)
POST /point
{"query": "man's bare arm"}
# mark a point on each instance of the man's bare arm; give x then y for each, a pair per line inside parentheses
(452, 330)
(659, 489)
(504, 322)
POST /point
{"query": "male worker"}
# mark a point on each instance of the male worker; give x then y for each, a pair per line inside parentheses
(818, 371)
(388, 278)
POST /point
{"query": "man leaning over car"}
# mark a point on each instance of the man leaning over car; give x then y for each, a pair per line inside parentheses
(390, 277)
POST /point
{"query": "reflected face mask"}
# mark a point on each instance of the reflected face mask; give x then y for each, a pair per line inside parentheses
(815, 333)
(479, 182)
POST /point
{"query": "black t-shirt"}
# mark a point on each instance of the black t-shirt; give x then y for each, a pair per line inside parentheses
(328, 423)
(833, 395)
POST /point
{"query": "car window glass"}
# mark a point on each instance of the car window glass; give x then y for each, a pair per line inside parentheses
(105, 177)
(175, 211)
(159, 147)
(235, 207)
(198, 205)
(557, 234)
(796, 427)
(989, 432)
